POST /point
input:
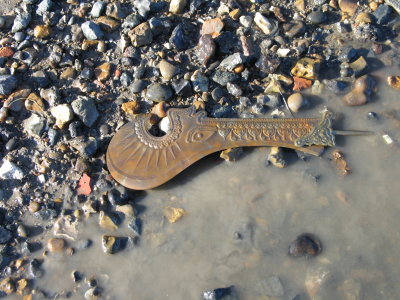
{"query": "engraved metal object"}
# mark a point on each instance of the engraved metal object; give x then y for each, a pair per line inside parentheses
(139, 160)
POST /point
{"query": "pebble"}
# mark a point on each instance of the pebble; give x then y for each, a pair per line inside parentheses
(307, 245)
(63, 114)
(19, 36)
(34, 103)
(106, 222)
(295, 102)
(348, 6)
(138, 85)
(306, 67)
(227, 293)
(98, 9)
(359, 66)
(43, 7)
(7, 286)
(182, 36)
(103, 71)
(199, 81)
(21, 21)
(86, 110)
(34, 125)
(11, 144)
(158, 92)
(173, 214)
(182, 87)
(3, 22)
(271, 287)
(354, 98)
(383, 14)
(222, 78)
(108, 24)
(143, 7)
(246, 21)
(42, 31)
(92, 31)
(268, 26)
(316, 17)
(5, 235)
(206, 48)
(56, 245)
(160, 109)
(394, 82)
(111, 244)
(231, 154)
(6, 52)
(141, 35)
(276, 158)
(212, 27)
(8, 83)
(234, 89)
(177, 6)
(167, 69)
(232, 61)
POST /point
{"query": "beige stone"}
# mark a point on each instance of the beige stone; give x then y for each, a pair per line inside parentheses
(177, 6)
(42, 31)
(56, 244)
(103, 71)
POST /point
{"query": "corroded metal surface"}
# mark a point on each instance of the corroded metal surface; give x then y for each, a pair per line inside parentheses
(139, 160)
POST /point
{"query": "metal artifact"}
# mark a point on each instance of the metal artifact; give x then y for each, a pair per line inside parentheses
(139, 160)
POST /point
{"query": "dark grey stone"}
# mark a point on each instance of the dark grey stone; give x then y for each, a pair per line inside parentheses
(184, 36)
(383, 14)
(223, 78)
(227, 293)
(182, 87)
(316, 17)
(8, 83)
(132, 21)
(159, 92)
(5, 235)
(160, 25)
(40, 79)
(11, 144)
(230, 62)
(138, 85)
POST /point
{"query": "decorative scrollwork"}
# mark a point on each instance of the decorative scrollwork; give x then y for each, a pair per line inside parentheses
(321, 135)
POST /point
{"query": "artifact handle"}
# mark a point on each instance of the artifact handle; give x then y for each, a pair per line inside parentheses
(139, 160)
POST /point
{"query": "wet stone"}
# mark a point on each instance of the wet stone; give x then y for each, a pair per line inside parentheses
(306, 68)
(307, 245)
(56, 245)
(227, 293)
(359, 66)
(206, 48)
(159, 92)
(271, 287)
(232, 154)
(347, 53)
(112, 244)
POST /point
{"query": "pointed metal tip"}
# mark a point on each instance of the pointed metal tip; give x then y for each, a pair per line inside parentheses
(352, 132)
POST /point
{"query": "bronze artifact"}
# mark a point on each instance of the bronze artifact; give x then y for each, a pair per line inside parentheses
(140, 160)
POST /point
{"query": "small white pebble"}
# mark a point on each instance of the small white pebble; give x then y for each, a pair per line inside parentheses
(164, 124)
(387, 139)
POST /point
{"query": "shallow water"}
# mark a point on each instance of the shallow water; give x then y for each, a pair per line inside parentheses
(356, 218)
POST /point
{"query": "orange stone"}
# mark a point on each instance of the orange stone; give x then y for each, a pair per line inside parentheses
(212, 27)
(6, 52)
(301, 83)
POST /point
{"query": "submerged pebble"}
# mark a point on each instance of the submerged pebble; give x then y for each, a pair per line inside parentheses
(307, 245)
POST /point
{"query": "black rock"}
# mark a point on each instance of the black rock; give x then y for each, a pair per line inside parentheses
(8, 83)
(35, 270)
(218, 93)
(138, 85)
(160, 25)
(182, 87)
(183, 36)
(227, 42)
(223, 78)
(11, 144)
(53, 136)
(223, 112)
(267, 64)
(74, 128)
(227, 293)
(40, 79)
(195, 4)
(383, 14)
(5, 235)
